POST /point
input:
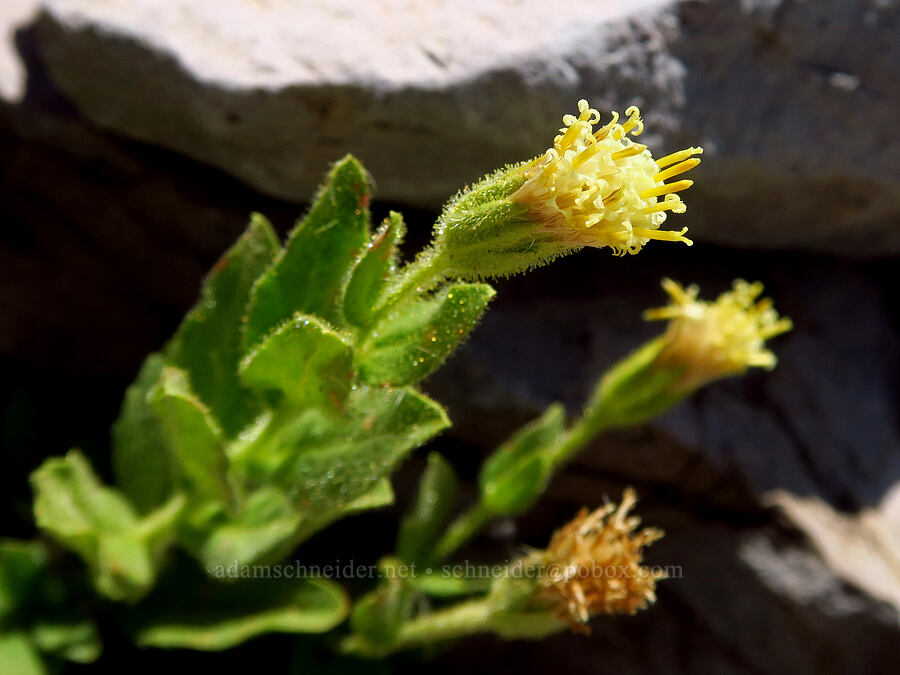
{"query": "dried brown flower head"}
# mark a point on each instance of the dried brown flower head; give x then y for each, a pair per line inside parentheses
(593, 565)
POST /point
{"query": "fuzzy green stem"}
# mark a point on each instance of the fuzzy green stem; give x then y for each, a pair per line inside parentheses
(472, 521)
(461, 530)
(579, 435)
(421, 273)
(463, 619)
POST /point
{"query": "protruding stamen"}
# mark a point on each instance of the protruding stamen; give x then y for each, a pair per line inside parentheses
(677, 170)
(630, 151)
(571, 134)
(670, 203)
(586, 154)
(603, 131)
(634, 122)
(664, 235)
(679, 156)
(668, 188)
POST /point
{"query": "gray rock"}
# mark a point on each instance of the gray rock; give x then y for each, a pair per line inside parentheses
(794, 101)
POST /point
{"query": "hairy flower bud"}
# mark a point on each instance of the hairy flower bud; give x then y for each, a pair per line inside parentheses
(591, 188)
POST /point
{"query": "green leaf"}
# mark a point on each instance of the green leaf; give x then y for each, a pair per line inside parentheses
(268, 527)
(307, 362)
(99, 524)
(208, 342)
(370, 274)
(21, 565)
(327, 463)
(266, 521)
(379, 615)
(72, 504)
(433, 508)
(193, 438)
(336, 468)
(73, 640)
(414, 341)
(219, 616)
(516, 474)
(28, 591)
(18, 655)
(142, 463)
(308, 276)
(382, 494)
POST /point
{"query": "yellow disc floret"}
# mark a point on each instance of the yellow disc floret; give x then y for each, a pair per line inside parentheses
(710, 340)
(600, 188)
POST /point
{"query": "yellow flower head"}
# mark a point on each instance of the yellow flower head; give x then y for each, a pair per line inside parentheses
(593, 565)
(600, 188)
(711, 340)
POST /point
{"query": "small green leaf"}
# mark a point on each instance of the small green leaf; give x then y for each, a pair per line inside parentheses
(208, 342)
(18, 655)
(382, 494)
(379, 428)
(308, 276)
(515, 475)
(413, 341)
(369, 275)
(99, 524)
(21, 564)
(219, 616)
(142, 462)
(433, 508)
(72, 504)
(330, 463)
(379, 615)
(27, 590)
(193, 438)
(307, 362)
(73, 640)
(266, 521)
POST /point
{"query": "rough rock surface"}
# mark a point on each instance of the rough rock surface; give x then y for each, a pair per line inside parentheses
(794, 100)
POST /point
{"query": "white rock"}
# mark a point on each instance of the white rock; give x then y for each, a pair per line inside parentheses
(794, 101)
(14, 14)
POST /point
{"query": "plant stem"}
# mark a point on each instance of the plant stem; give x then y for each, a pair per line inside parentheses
(461, 530)
(417, 275)
(579, 435)
(469, 523)
(466, 618)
